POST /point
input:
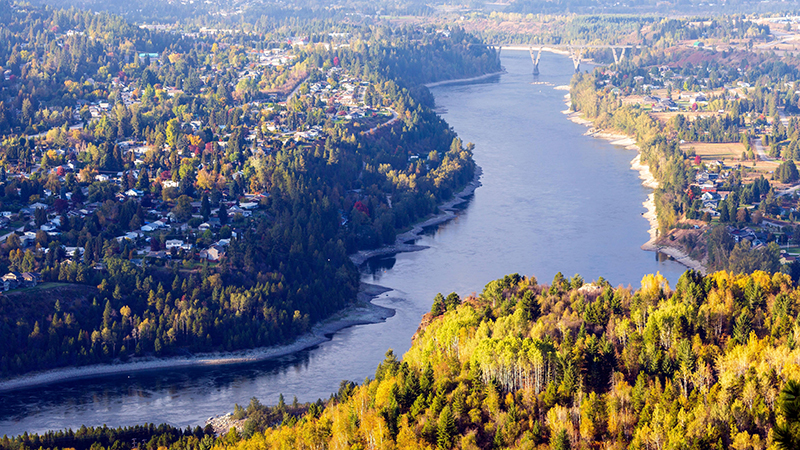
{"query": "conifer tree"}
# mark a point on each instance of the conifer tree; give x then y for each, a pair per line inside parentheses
(446, 429)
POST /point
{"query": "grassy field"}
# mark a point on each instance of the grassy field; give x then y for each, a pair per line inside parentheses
(712, 152)
(760, 168)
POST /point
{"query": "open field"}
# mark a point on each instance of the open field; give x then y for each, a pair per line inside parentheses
(712, 151)
(760, 168)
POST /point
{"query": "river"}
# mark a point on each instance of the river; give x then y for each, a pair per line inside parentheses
(552, 200)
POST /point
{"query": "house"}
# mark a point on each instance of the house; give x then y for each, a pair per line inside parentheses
(153, 225)
(708, 187)
(30, 279)
(237, 210)
(28, 238)
(70, 252)
(213, 253)
(665, 105)
(651, 99)
(14, 280)
(174, 243)
(130, 236)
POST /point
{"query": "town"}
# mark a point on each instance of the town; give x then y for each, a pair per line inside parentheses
(57, 182)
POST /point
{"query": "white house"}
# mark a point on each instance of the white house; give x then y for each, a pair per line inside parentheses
(174, 243)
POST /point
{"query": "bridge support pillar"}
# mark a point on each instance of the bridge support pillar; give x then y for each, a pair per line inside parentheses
(575, 55)
(535, 60)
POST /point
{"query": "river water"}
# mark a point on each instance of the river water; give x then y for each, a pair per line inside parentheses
(552, 200)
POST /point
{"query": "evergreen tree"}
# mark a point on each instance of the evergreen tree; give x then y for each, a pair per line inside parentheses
(446, 429)
(439, 305)
(743, 326)
(452, 301)
(787, 434)
(205, 207)
(529, 306)
(223, 213)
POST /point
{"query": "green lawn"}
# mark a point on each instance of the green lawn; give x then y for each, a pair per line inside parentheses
(43, 287)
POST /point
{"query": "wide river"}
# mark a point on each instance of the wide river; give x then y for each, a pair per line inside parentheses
(552, 200)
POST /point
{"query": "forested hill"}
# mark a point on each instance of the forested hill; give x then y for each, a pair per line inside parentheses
(202, 192)
(570, 365)
(574, 365)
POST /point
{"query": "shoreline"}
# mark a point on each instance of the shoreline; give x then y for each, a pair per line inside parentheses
(464, 80)
(362, 312)
(402, 241)
(648, 181)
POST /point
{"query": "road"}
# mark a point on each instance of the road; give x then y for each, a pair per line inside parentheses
(391, 121)
(762, 154)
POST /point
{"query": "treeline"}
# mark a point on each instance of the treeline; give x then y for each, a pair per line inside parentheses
(542, 27)
(148, 436)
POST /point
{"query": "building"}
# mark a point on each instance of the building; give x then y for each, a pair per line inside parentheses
(213, 253)
(14, 280)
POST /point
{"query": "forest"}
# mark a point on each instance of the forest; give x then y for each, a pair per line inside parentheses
(710, 363)
(220, 139)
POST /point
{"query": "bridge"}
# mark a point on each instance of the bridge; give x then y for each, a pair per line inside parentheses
(575, 52)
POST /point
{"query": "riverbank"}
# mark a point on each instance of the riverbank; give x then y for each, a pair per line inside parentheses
(363, 311)
(404, 242)
(649, 181)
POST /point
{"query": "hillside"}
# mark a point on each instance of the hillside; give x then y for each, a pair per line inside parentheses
(569, 365)
(575, 365)
(196, 208)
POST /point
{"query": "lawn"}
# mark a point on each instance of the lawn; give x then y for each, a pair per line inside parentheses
(43, 287)
(712, 151)
(760, 168)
